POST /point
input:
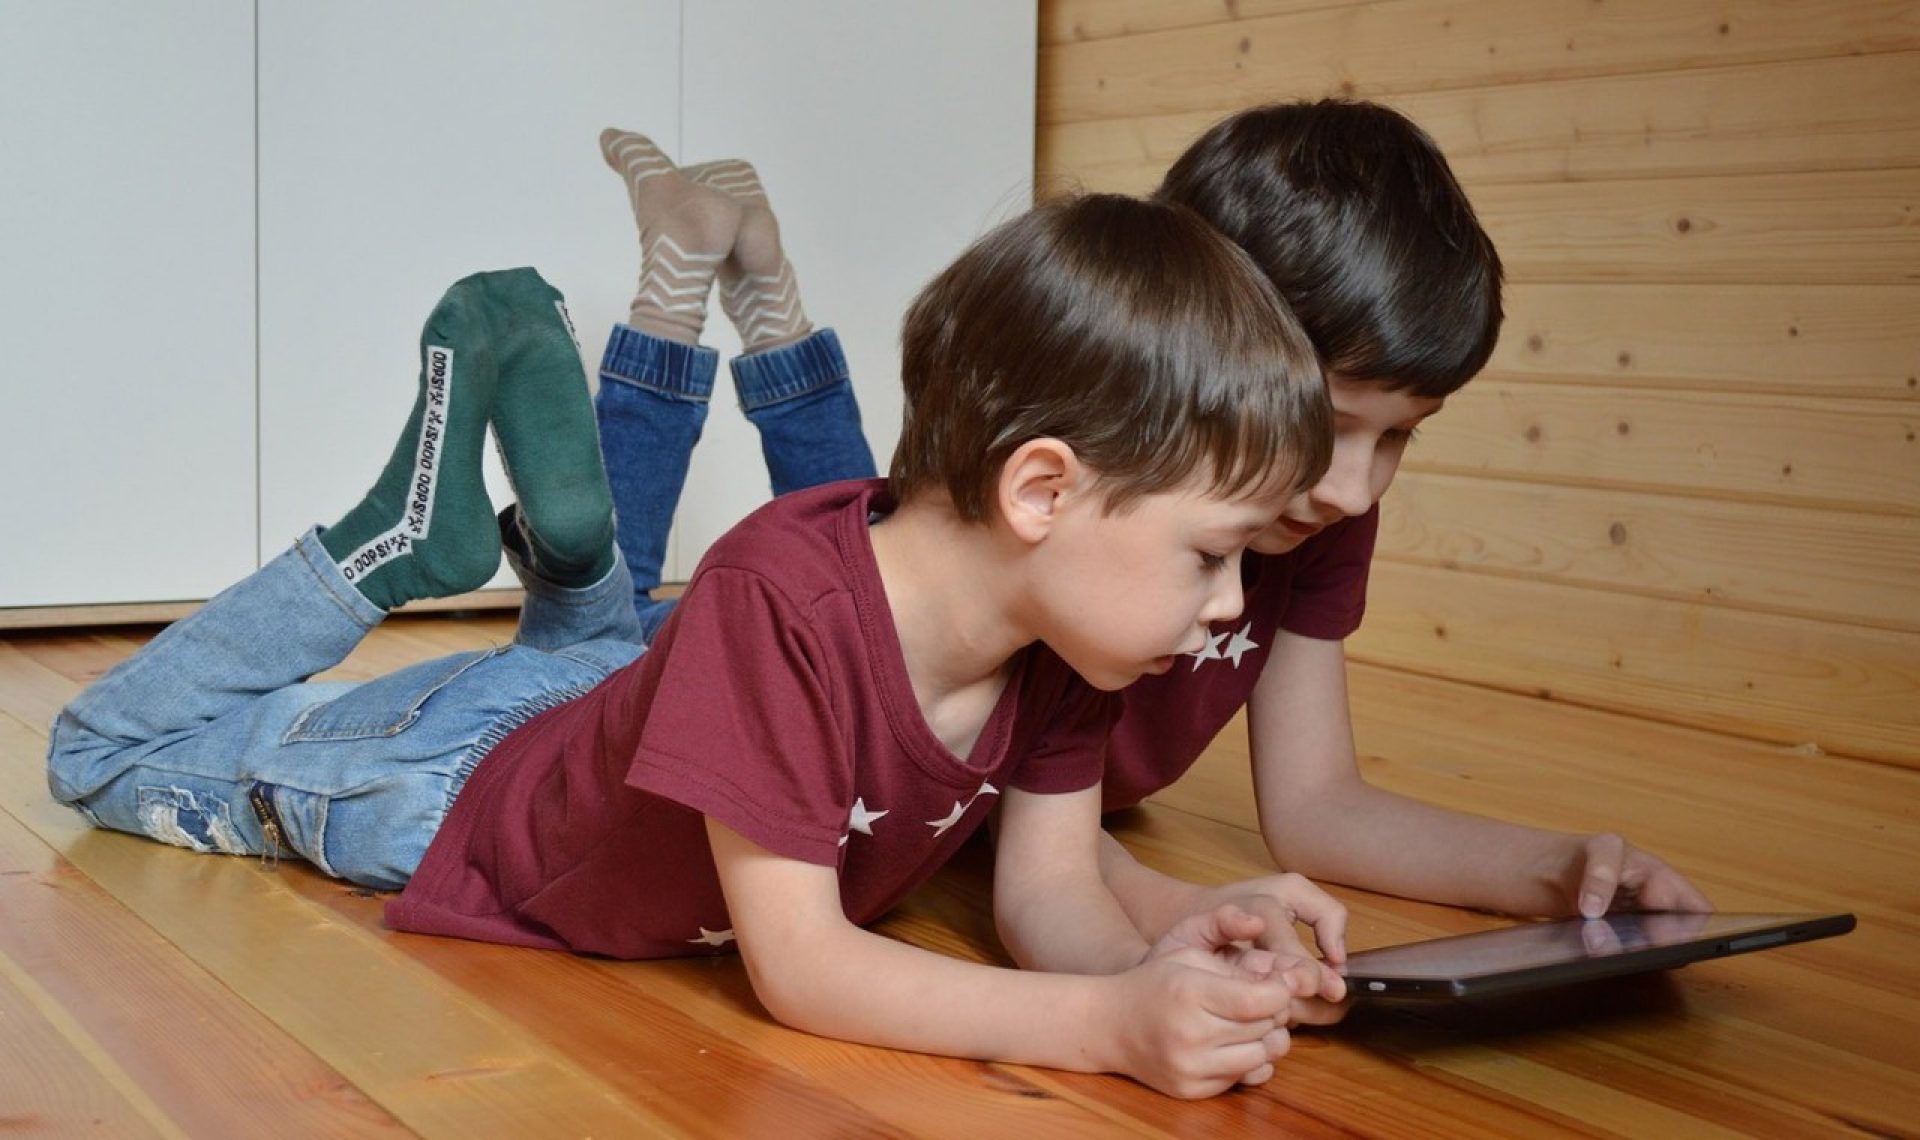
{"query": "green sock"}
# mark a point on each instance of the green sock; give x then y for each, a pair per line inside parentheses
(426, 529)
(549, 438)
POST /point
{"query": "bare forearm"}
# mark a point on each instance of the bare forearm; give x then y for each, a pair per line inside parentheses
(1153, 902)
(1380, 841)
(1067, 926)
(872, 990)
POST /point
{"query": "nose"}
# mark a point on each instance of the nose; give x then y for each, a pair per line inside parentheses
(1226, 599)
(1345, 487)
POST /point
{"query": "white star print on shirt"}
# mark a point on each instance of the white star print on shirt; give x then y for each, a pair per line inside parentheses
(1237, 645)
(714, 937)
(1240, 644)
(861, 820)
(941, 825)
(1208, 652)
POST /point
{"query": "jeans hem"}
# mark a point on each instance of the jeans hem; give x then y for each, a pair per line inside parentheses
(326, 574)
(668, 368)
(811, 364)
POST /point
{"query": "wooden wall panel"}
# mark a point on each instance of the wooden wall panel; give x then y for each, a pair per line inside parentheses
(1068, 20)
(1731, 120)
(1827, 564)
(1767, 340)
(1860, 456)
(1848, 228)
(1417, 45)
(1688, 486)
(1792, 681)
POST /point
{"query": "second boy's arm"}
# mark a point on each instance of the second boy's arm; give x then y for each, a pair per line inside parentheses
(1321, 818)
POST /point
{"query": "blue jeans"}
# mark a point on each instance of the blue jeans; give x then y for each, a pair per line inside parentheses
(212, 730)
(653, 402)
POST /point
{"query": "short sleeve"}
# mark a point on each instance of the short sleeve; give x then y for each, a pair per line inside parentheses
(1069, 752)
(741, 727)
(1329, 595)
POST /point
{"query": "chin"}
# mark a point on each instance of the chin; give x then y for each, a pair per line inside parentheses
(1108, 680)
(1276, 541)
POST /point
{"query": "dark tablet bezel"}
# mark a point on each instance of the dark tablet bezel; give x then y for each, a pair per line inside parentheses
(1765, 932)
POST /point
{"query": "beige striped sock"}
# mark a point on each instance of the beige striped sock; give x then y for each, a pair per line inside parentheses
(757, 286)
(686, 230)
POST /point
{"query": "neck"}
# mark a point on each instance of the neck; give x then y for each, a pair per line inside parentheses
(951, 588)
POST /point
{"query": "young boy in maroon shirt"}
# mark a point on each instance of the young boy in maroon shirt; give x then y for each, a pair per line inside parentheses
(1354, 215)
(1105, 403)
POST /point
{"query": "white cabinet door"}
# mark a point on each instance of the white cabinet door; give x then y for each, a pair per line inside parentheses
(889, 134)
(403, 146)
(126, 300)
(223, 226)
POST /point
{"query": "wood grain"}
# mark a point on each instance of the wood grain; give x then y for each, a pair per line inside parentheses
(1853, 456)
(1372, 50)
(177, 1047)
(1841, 228)
(1831, 565)
(1787, 680)
(1751, 119)
(1761, 340)
(1062, 21)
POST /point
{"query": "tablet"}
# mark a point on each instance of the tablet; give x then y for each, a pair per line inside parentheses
(1534, 955)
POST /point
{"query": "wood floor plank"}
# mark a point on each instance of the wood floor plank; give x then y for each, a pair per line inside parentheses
(441, 1064)
(56, 1080)
(636, 1024)
(187, 1045)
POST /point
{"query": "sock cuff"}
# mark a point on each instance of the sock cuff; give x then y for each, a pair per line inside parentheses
(680, 371)
(808, 365)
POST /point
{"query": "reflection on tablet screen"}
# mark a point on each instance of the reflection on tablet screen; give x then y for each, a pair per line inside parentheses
(1543, 943)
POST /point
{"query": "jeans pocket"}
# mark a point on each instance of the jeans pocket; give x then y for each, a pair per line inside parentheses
(386, 706)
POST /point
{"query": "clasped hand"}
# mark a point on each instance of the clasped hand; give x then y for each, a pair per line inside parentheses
(1214, 1001)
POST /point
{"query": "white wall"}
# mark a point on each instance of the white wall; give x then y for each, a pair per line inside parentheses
(126, 300)
(402, 147)
(889, 136)
(208, 320)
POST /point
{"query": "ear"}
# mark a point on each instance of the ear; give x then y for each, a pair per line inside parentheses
(1036, 480)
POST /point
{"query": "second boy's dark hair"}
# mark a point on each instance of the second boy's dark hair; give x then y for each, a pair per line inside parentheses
(1129, 330)
(1355, 216)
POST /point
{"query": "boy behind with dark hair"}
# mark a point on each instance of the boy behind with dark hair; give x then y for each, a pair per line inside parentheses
(1353, 214)
(854, 677)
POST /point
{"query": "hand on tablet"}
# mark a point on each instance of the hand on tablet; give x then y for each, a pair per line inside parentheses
(1611, 874)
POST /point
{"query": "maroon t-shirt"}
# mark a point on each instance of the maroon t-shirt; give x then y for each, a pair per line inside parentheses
(1318, 590)
(775, 700)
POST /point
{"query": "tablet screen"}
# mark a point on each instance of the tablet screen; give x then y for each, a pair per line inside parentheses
(1566, 950)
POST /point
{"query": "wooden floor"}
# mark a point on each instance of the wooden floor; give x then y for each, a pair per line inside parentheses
(146, 991)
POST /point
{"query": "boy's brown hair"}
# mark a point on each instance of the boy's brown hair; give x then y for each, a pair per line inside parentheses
(1129, 330)
(1353, 213)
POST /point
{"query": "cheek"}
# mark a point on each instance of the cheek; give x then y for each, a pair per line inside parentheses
(1386, 464)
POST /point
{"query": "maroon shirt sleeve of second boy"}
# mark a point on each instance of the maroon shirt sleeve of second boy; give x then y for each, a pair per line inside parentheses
(1317, 591)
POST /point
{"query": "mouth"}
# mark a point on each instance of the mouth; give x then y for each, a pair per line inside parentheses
(1300, 529)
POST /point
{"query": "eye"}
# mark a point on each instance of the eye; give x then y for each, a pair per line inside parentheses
(1403, 436)
(1213, 561)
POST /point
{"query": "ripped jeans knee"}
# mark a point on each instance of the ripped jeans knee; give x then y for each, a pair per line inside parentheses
(185, 818)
